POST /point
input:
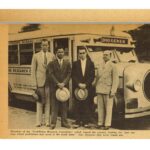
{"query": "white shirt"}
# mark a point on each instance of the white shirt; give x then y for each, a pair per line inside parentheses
(43, 53)
(60, 61)
(83, 65)
(106, 64)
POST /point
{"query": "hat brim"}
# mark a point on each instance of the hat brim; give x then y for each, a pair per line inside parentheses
(78, 95)
(63, 94)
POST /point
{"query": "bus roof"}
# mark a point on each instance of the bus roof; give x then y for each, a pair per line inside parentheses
(47, 33)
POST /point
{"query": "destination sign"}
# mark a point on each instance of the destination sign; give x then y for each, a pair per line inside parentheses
(18, 70)
(114, 40)
(111, 40)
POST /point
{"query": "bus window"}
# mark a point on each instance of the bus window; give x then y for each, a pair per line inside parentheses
(26, 52)
(62, 42)
(126, 55)
(96, 53)
(37, 47)
(13, 54)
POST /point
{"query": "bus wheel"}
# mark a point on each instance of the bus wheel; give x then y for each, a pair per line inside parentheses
(10, 95)
(10, 98)
(119, 112)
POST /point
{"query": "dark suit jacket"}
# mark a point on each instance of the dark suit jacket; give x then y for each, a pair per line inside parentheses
(77, 76)
(57, 74)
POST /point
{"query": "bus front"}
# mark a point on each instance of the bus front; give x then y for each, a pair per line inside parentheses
(133, 98)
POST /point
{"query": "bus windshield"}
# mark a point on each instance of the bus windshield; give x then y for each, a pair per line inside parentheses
(96, 54)
(119, 54)
(126, 55)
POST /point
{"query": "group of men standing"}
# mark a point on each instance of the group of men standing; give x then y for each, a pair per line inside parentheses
(54, 72)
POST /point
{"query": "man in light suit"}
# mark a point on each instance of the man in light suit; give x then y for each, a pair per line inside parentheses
(59, 72)
(106, 86)
(39, 66)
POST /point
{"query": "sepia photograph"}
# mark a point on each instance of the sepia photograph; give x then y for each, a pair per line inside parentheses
(74, 74)
(79, 76)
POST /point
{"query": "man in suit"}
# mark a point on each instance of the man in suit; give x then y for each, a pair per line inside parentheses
(106, 86)
(83, 74)
(39, 65)
(59, 71)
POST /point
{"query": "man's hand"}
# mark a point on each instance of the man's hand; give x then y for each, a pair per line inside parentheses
(82, 85)
(94, 83)
(61, 85)
(111, 95)
(35, 87)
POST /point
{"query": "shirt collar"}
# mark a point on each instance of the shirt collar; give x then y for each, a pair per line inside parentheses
(106, 63)
(59, 60)
(83, 60)
(43, 51)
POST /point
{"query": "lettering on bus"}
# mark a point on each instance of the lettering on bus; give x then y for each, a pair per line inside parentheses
(114, 40)
(17, 70)
(25, 41)
(23, 86)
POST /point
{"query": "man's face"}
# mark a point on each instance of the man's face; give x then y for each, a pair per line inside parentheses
(106, 57)
(44, 46)
(82, 54)
(60, 53)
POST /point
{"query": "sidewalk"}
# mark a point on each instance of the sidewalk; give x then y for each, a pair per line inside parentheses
(25, 119)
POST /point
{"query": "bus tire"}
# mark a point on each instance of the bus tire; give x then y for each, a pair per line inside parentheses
(119, 111)
(10, 95)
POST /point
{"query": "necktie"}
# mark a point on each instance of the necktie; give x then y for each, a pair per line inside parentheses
(45, 59)
(60, 63)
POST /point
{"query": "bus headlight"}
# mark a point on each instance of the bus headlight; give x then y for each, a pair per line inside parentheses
(137, 85)
(134, 85)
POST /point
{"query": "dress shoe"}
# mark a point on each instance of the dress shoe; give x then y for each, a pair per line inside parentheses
(66, 126)
(47, 125)
(106, 127)
(86, 125)
(52, 126)
(101, 127)
(38, 125)
(43, 124)
(76, 124)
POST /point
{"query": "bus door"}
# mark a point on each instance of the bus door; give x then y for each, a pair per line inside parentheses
(64, 43)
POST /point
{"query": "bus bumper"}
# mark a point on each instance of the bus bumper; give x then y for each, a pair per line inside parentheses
(139, 112)
(23, 95)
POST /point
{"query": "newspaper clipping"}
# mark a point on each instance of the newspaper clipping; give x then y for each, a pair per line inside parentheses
(78, 80)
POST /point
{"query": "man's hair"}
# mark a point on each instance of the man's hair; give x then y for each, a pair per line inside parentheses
(44, 40)
(107, 52)
(57, 48)
(81, 48)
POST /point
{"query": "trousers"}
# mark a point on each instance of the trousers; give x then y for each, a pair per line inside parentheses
(56, 106)
(105, 107)
(45, 94)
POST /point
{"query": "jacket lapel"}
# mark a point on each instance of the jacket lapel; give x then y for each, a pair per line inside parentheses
(48, 58)
(57, 64)
(63, 65)
(106, 68)
(86, 67)
(80, 69)
(41, 59)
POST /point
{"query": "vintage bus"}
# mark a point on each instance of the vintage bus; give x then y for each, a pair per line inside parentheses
(133, 96)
